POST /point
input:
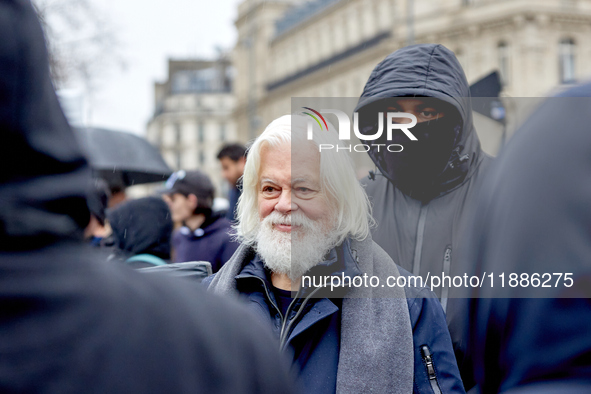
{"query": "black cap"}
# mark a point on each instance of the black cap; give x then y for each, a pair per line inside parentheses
(192, 182)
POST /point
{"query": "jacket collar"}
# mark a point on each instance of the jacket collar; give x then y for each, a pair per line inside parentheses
(341, 260)
(212, 223)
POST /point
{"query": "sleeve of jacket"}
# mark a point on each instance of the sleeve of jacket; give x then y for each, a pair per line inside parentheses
(430, 329)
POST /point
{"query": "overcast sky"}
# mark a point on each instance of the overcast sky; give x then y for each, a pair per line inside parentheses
(152, 31)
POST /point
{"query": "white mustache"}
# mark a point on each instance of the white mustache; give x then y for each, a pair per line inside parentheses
(298, 219)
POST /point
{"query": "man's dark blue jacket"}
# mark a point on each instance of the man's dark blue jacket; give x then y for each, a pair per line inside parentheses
(315, 338)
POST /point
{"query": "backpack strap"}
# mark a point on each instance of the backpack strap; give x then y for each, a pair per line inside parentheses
(146, 258)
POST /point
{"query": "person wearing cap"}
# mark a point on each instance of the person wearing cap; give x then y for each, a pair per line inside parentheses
(204, 235)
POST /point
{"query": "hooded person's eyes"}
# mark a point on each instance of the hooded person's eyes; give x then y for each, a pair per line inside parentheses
(431, 113)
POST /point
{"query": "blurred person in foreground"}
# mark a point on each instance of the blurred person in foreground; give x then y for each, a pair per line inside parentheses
(534, 217)
(204, 235)
(420, 195)
(305, 214)
(142, 230)
(69, 323)
(232, 157)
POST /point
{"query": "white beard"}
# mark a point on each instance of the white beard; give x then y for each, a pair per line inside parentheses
(293, 254)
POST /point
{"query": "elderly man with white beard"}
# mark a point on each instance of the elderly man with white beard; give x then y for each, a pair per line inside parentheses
(302, 212)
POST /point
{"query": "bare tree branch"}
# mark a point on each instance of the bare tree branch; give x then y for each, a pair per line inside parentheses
(81, 41)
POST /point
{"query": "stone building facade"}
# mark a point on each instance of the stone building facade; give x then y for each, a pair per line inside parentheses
(327, 48)
(192, 117)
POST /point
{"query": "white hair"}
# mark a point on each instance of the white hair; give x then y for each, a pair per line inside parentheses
(337, 180)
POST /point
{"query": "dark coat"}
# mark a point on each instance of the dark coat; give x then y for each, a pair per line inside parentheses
(535, 217)
(69, 322)
(422, 235)
(315, 340)
(211, 242)
(142, 226)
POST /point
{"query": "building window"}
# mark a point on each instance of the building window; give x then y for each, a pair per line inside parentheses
(504, 63)
(566, 58)
(200, 133)
(201, 158)
(223, 135)
(204, 80)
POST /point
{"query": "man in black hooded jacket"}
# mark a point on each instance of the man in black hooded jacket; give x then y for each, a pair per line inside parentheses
(419, 195)
(69, 322)
(535, 219)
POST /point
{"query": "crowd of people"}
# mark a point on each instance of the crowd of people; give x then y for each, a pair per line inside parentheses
(181, 224)
(79, 313)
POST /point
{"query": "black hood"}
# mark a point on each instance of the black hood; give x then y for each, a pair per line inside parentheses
(534, 216)
(44, 177)
(142, 226)
(430, 70)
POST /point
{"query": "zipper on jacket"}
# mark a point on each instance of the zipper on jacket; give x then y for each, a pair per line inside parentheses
(428, 360)
(416, 267)
(283, 318)
(287, 327)
(269, 296)
(446, 269)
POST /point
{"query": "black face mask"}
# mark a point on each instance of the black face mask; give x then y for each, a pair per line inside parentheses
(420, 163)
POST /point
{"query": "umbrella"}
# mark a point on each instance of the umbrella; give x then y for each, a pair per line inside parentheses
(121, 158)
